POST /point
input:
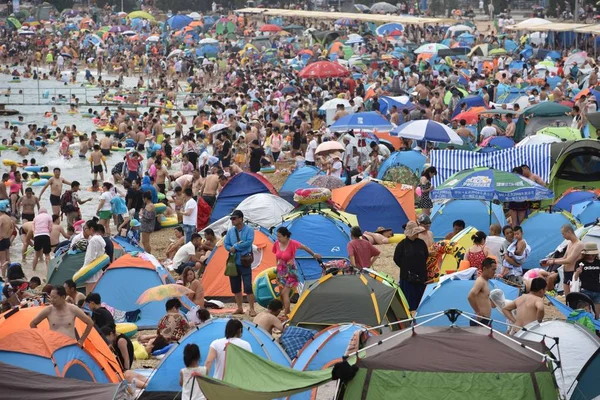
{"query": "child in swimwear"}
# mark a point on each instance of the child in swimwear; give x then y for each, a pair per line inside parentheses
(95, 186)
(64, 148)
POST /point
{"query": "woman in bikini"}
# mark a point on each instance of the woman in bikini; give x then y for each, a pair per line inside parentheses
(478, 252)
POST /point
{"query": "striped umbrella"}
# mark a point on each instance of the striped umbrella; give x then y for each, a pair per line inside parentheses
(428, 130)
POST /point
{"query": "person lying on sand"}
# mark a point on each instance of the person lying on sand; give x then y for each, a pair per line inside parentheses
(380, 236)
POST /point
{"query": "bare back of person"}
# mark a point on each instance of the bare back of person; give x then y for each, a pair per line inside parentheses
(211, 184)
(267, 321)
(527, 309)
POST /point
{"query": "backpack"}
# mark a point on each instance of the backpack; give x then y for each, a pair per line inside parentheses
(66, 202)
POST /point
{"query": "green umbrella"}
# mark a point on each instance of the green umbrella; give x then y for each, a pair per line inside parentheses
(14, 22)
(141, 14)
(497, 52)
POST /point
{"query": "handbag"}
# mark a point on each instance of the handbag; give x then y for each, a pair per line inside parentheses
(247, 259)
(230, 267)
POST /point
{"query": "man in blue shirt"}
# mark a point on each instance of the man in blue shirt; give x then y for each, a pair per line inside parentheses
(239, 241)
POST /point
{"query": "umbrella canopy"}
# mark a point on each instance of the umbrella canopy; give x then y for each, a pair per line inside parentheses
(270, 28)
(497, 52)
(142, 15)
(490, 184)
(208, 41)
(179, 21)
(329, 147)
(386, 29)
(153, 38)
(537, 139)
(383, 7)
(174, 53)
(369, 121)
(326, 181)
(323, 69)
(362, 8)
(431, 131)
(354, 38)
(118, 29)
(431, 48)
(195, 16)
(162, 292)
(346, 22)
(217, 128)
(471, 116)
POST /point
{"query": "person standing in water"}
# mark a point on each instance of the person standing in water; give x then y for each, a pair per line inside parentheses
(56, 186)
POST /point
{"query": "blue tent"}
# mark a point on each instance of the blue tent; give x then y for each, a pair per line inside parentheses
(498, 143)
(177, 22)
(587, 380)
(587, 212)
(453, 294)
(298, 180)
(541, 231)
(127, 246)
(386, 103)
(238, 188)
(164, 381)
(470, 101)
(323, 350)
(323, 234)
(414, 160)
(475, 213)
(116, 288)
(572, 197)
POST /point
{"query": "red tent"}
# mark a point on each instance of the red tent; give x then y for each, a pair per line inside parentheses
(204, 211)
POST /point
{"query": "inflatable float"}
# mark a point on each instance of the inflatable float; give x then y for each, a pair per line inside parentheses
(160, 208)
(46, 175)
(33, 168)
(266, 287)
(115, 148)
(87, 271)
(161, 196)
(128, 329)
(9, 163)
(312, 195)
(168, 222)
(37, 182)
(267, 170)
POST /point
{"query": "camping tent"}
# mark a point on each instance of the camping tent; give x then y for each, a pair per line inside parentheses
(298, 180)
(587, 212)
(214, 281)
(116, 289)
(16, 383)
(541, 115)
(474, 212)
(163, 383)
(574, 196)
(323, 234)
(126, 245)
(575, 164)
(470, 102)
(414, 160)
(377, 204)
(326, 302)
(575, 347)
(262, 209)
(51, 353)
(64, 267)
(450, 363)
(238, 188)
(587, 381)
(17, 320)
(541, 231)
(453, 294)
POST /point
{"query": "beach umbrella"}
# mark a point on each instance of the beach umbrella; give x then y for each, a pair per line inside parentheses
(579, 58)
(175, 53)
(153, 38)
(490, 184)
(354, 38)
(383, 8)
(195, 16)
(345, 22)
(142, 15)
(497, 52)
(289, 90)
(12, 21)
(216, 103)
(25, 32)
(362, 8)
(118, 29)
(196, 24)
(270, 28)
(162, 292)
(179, 21)
(323, 69)
(428, 130)
(386, 29)
(329, 147)
(66, 55)
(129, 33)
(217, 128)
(471, 116)
(431, 48)
(401, 102)
(326, 181)
(208, 41)
(369, 121)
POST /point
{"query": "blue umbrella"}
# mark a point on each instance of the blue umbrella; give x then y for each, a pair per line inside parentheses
(289, 90)
(345, 22)
(209, 21)
(431, 131)
(401, 102)
(510, 45)
(361, 121)
(209, 48)
(385, 29)
(177, 22)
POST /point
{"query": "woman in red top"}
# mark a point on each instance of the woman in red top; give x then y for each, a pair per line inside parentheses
(285, 254)
(478, 252)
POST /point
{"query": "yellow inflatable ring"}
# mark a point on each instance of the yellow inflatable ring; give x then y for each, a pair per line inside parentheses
(397, 238)
(8, 163)
(87, 271)
(312, 195)
(168, 222)
(46, 175)
(127, 328)
(160, 208)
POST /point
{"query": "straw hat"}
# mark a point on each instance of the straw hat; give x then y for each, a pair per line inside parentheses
(381, 230)
(413, 229)
(590, 249)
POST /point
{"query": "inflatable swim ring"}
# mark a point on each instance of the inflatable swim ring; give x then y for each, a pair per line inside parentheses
(160, 208)
(46, 175)
(170, 125)
(37, 182)
(33, 168)
(168, 222)
(161, 196)
(72, 112)
(3, 147)
(87, 115)
(164, 350)
(115, 148)
(267, 170)
(127, 328)
(312, 195)
(266, 287)
(109, 130)
(397, 238)
(39, 142)
(8, 163)
(87, 271)
(17, 122)
(8, 183)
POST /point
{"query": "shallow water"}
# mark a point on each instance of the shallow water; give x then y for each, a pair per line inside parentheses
(74, 169)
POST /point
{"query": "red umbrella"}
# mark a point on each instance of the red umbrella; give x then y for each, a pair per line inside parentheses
(323, 69)
(270, 28)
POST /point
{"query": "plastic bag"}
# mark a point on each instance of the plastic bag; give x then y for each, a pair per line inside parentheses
(230, 267)
(575, 285)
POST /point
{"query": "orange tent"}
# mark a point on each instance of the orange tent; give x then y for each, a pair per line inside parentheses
(214, 281)
(395, 141)
(15, 324)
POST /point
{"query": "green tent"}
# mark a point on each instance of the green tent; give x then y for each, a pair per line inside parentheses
(560, 132)
(540, 116)
(451, 363)
(251, 377)
(64, 267)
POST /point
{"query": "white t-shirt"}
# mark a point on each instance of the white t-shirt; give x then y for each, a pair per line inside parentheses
(184, 253)
(310, 151)
(487, 132)
(192, 218)
(495, 243)
(191, 389)
(336, 169)
(383, 150)
(219, 347)
(107, 197)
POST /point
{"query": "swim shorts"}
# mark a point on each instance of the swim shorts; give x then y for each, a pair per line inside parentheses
(4, 244)
(97, 169)
(55, 200)
(27, 217)
(105, 152)
(105, 214)
(42, 242)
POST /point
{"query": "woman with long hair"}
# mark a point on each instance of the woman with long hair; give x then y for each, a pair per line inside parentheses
(148, 221)
(425, 203)
(478, 252)
(191, 282)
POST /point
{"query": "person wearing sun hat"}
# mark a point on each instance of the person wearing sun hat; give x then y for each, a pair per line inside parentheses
(411, 257)
(588, 272)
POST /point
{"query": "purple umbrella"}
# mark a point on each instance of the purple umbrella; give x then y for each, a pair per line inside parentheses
(118, 29)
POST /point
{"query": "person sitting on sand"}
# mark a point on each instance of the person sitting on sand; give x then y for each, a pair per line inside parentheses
(530, 306)
(380, 236)
(269, 319)
(175, 243)
(172, 327)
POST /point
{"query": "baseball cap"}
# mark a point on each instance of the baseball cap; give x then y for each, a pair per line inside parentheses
(236, 214)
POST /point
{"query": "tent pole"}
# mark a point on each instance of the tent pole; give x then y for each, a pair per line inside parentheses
(490, 212)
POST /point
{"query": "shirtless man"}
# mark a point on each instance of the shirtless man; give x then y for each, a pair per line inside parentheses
(268, 319)
(530, 306)
(464, 132)
(61, 316)
(140, 139)
(96, 161)
(73, 296)
(531, 176)
(161, 175)
(56, 186)
(105, 145)
(157, 128)
(479, 296)
(6, 230)
(56, 231)
(209, 189)
(26, 232)
(572, 255)
(28, 202)
(83, 147)
(178, 200)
